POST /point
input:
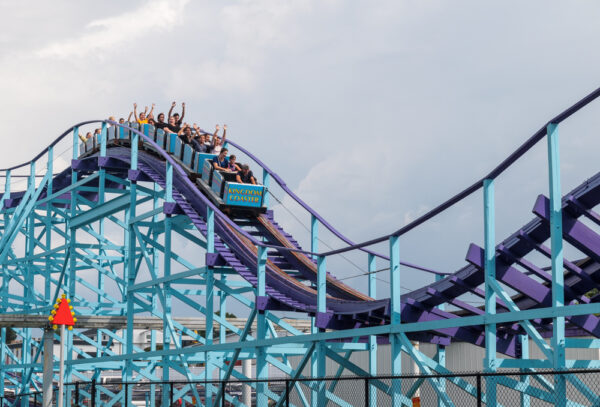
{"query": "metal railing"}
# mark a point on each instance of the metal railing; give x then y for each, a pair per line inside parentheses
(516, 388)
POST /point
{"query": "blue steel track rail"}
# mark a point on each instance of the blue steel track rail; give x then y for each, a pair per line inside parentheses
(347, 313)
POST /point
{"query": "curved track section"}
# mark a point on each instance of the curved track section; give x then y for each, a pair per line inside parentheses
(348, 308)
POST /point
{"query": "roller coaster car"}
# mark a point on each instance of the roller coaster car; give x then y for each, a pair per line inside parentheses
(230, 196)
(220, 187)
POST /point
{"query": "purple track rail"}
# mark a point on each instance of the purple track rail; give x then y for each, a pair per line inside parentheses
(286, 293)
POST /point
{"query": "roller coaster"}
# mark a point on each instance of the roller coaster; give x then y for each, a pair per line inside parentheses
(110, 230)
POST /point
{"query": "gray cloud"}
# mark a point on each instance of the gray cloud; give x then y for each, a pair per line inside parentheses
(373, 113)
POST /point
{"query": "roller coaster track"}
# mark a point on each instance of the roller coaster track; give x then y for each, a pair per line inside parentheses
(292, 274)
(346, 308)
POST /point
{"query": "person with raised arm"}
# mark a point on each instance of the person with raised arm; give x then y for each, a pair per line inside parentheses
(160, 122)
(142, 117)
(185, 134)
(87, 136)
(200, 139)
(150, 115)
(171, 127)
(178, 120)
(218, 142)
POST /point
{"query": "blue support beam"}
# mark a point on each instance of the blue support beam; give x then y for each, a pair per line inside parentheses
(262, 369)
(556, 236)
(266, 183)
(210, 286)
(395, 309)
(371, 267)
(440, 354)
(125, 264)
(321, 345)
(490, 293)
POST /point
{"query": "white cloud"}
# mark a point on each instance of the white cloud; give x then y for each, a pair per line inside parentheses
(236, 46)
(104, 34)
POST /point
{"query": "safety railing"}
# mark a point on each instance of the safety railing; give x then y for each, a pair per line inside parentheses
(460, 389)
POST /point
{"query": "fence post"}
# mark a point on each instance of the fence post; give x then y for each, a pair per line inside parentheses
(479, 401)
(93, 395)
(126, 393)
(367, 392)
(77, 393)
(287, 393)
(171, 393)
(222, 393)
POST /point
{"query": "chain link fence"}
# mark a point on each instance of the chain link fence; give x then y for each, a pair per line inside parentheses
(573, 388)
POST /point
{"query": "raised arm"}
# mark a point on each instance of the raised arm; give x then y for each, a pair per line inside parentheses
(171, 110)
(129, 117)
(214, 140)
(224, 133)
(196, 129)
(151, 110)
(135, 112)
(182, 111)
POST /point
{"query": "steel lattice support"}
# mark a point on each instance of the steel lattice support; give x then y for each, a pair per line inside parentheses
(119, 233)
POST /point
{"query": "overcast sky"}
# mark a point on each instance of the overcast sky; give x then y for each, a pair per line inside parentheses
(373, 112)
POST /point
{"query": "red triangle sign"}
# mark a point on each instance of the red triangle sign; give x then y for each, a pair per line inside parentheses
(63, 314)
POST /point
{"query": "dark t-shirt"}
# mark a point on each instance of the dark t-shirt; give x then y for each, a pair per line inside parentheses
(160, 125)
(222, 164)
(246, 179)
(174, 129)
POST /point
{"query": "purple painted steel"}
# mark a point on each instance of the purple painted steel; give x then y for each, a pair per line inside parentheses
(238, 249)
(327, 225)
(518, 153)
(537, 292)
(301, 298)
(417, 306)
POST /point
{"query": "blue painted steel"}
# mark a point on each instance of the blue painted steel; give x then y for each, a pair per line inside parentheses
(217, 185)
(178, 148)
(210, 286)
(171, 140)
(188, 155)
(262, 369)
(321, 284)
(395, 308)
(200, 161)
(372, 278)
(207, 172)
(490, 278)
(243, 194)
(526, 380)
(146, 240)
(103, 140)
(556, 236)
(75, 141)
(134, 150)
(266, 183)
(160, 138)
